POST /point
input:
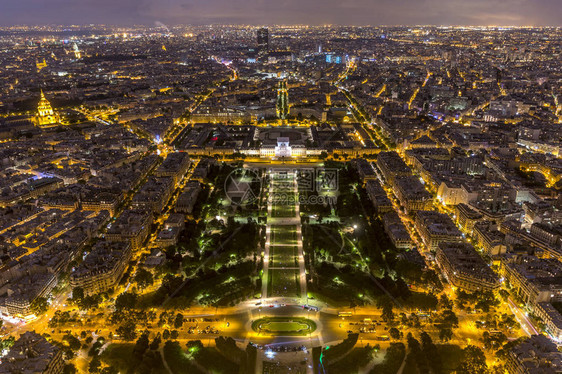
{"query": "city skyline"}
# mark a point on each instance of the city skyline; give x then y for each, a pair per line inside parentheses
(236, 199)
(288, 12)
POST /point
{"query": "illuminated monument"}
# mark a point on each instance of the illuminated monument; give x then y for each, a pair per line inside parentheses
(282, 101)
(76, 51)
(283, 149)
(40, 64)
(45, 117)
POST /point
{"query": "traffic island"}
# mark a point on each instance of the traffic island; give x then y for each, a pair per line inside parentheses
(284, 326)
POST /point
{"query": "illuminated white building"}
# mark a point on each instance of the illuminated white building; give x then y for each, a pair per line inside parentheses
(283, 149)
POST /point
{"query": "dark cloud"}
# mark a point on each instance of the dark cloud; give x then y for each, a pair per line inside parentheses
(315, 12)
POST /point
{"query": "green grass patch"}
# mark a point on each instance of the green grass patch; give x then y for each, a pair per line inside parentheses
(286, 235)
(283, 282)
(283, 256)
(283, 211)
(284, 326)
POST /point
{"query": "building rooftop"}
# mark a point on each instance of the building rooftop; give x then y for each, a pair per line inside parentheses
(30, 354)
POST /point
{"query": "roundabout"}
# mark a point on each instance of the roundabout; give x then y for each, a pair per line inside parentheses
(284, 326)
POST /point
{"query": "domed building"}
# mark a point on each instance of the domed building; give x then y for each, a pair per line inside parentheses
(45, 117)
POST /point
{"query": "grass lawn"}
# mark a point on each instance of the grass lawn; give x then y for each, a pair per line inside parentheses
(284, 325)
(286, 235)
(283, 256)
(281, 210)
(283, 283)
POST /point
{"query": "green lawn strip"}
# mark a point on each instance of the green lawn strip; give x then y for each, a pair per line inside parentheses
(286, 235)
(283, 256)
(283, 282)
(283, 211)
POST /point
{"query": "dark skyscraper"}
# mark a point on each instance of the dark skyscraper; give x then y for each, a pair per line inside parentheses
(263, 39)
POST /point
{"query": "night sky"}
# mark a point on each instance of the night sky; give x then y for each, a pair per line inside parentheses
(261, 12)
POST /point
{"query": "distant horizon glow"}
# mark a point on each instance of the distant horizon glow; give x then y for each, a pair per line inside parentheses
(167, 13)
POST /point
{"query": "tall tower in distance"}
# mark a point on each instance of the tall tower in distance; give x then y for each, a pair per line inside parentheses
(45, 115)
(263, 39)
(282, 101)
